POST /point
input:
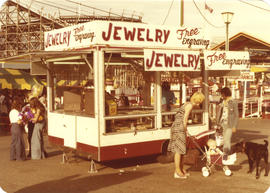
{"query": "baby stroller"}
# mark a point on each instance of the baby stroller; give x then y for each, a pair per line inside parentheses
(213, 154)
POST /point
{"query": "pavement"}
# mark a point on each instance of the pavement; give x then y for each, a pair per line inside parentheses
(143, 175)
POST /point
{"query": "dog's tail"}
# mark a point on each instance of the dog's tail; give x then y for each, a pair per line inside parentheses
(266, 143)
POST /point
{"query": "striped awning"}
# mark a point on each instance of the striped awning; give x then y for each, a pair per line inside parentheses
(17, 79)
(71, 82)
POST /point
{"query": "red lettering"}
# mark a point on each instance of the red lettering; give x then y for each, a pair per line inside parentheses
(168, 60)
(214, 58)
(147, 36)
(106, 38)
(182, 60)
(158, 35)
(150, 64)
(190, 60)
(158, 55)
(129, 35)
(176, 56)
(139, 35)
(56, 39)
(183, 33)
(64, 37)
(116, 34)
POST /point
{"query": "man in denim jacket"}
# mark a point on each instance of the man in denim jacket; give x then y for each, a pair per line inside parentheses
(227, 118)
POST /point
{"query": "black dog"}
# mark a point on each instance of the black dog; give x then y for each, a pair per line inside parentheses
(255, 152)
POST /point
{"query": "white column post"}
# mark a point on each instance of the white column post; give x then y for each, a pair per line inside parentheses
(158, 95)
(244, 100)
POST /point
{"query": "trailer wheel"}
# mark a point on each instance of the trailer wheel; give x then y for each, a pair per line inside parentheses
(165, 157)
(165, 147)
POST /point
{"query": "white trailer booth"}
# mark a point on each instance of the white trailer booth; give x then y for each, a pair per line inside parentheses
(104, 85)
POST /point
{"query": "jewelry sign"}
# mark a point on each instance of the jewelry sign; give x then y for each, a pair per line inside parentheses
(171, 60)
(125, 34)
(226, 60)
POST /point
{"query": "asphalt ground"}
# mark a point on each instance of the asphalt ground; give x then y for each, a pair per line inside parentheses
(144, 175)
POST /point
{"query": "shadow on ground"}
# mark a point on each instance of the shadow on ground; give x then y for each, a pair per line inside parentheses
(248, 135)
(130, 162)
(77, 184)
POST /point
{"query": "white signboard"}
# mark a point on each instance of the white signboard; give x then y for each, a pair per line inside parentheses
(247, 76)
(171, 60)
(244, 76)
(226, 60)
(124, 34)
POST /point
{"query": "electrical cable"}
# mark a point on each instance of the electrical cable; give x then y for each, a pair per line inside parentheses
(205, 17)
(60, 8)
(169, 10)
(95, 8)
(254, 5)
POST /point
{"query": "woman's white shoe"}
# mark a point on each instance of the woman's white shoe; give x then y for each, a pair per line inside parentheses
(176, 175)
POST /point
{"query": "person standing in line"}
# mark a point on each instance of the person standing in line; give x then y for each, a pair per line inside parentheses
(177, 143)
(17, 147)
(227, 118)
(30, 126)
(37, 143)
(168, 97)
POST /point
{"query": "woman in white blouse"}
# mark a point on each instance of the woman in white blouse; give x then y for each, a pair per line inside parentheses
(17, 147)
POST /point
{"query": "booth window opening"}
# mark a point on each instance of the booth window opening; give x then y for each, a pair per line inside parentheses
(74, 86)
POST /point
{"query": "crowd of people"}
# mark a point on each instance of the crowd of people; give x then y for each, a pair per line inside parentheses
(27, 115)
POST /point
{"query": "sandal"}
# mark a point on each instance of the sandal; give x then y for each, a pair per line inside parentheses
(176, 175)
(186, 173)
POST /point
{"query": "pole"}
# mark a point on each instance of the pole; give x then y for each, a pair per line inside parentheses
(205, 88)
(227, 48)
(183, 85)
(244, 100)
(182, 13)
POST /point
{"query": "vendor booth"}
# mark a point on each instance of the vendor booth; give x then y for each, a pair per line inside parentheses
(104, 84)
(114, 110)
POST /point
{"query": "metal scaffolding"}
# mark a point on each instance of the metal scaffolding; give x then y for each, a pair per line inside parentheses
(23, 26)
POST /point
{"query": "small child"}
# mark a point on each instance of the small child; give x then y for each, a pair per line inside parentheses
(213, 149)
(214, 154)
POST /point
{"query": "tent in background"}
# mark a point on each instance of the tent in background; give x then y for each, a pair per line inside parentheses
(17, 79)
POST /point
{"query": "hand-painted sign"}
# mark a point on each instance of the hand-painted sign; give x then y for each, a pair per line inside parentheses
(246, 76)
(226, 60)
(68, 38)
(124, 34)
(171, 60)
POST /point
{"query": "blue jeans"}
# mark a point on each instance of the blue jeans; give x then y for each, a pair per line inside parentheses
(37, 145)
(227, 136)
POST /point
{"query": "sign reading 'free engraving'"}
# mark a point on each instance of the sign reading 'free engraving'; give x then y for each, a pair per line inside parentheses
(226, 60)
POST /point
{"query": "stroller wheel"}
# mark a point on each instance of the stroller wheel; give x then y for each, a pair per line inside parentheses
(205, 172)
(228, 172)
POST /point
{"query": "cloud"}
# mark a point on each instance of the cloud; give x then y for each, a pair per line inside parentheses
(267, 1)
(1, 2)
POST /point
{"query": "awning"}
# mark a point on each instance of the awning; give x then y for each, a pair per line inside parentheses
(17, 79)
(259, 69)
(71, 82)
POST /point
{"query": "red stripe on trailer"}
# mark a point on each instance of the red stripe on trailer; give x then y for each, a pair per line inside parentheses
(131, 150)
(91, 150)
(56, 140)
